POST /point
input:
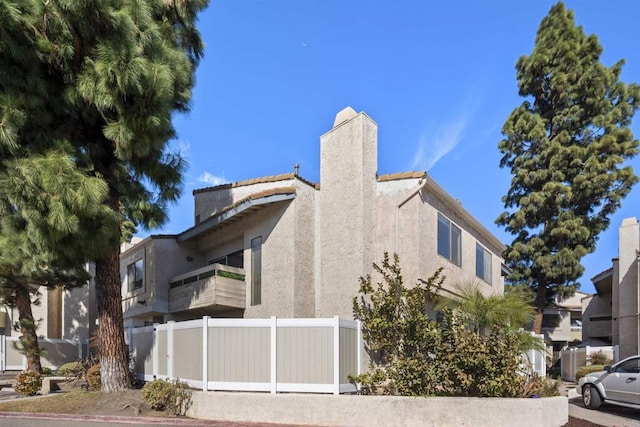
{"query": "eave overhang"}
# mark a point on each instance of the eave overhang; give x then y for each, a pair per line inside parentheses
(238, 211)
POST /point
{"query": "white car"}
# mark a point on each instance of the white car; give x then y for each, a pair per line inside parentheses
(618, 385)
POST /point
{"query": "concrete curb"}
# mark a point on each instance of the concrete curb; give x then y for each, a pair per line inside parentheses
(131, 420)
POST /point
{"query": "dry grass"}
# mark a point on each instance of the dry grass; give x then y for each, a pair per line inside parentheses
(74, 401)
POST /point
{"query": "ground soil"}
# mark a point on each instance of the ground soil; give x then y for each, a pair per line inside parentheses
(577, 422)
(72, 400)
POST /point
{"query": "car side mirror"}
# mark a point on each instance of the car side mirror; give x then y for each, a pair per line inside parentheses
(608, 368)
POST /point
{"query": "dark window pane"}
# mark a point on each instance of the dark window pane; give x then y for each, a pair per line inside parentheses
(444, 237)
(456, 248)
(256, 271)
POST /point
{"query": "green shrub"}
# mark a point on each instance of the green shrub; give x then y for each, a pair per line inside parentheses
(587, 370)
(413, 355)
(599, 358)
(162, 395)
(541, 387)
(71, 369)
(46, 372)
(28, 383)
(93, 377)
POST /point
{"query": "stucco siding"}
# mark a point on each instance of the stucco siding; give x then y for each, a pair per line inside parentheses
(210, 203)
(348, 164)
(304, 251)
(276, 226)
(629, 300)
(408, 225)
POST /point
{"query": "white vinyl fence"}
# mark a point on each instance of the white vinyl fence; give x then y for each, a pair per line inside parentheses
(574, 358)
(55, 353)
(536, 359)
(271, 355)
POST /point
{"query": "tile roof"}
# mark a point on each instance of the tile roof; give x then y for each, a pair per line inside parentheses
(259, 180)
(401, 175)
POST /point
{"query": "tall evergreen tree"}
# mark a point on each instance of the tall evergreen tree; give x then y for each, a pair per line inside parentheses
(100, 80)
(44, 204)
(566, 146)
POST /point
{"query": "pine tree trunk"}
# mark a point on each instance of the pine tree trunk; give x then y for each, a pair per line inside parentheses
(114, 367)
(540, 303)
(29, 337)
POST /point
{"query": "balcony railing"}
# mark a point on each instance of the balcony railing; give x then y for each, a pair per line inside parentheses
(205, 272)
(214, 287)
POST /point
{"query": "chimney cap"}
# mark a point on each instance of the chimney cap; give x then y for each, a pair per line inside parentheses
(346, 114)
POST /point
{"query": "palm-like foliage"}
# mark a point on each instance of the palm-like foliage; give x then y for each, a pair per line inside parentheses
(485, 314)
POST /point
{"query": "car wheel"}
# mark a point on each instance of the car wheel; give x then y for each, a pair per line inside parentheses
(591, 397)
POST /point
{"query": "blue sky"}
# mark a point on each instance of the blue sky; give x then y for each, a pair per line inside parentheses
(437, 77)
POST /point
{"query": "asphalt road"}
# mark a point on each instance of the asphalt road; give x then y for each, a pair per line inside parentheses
(607, 415)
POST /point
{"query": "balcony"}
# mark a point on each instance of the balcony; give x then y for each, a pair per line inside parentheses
(215, 288)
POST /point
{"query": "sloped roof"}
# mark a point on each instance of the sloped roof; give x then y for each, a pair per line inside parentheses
(259, 180)
(401, 175)
(238, 210)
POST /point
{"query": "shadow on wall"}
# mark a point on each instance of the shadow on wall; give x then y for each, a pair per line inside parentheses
(269, 218)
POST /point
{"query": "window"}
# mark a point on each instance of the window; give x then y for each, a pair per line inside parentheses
(235, 259)
(449, 240)
(135, 275)
(551, 321)
(629, 367)
(483, 263)
(256, 271)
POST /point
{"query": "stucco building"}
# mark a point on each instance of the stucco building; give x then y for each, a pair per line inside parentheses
(612, 315)
(562, 322)
(59, 313)
(283, 246)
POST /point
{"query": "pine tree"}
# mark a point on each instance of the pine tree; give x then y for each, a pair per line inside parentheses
(44, 204)
(100, 81)
(566, 146)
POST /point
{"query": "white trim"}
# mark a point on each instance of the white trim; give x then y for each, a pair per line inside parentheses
(236, 386)
(205, 352)
(154, 350)
(336, 355)
(143, 329)
(188, 324)
(234, 323)
(274, 355)
(305, 388)
(170, 325)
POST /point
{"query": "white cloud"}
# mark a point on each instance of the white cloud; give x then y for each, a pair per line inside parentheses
(211, 179)
(432, 148)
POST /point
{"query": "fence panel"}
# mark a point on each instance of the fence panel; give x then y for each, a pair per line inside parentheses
(307, 355)
(55, 352)
(188, 364)
(537, 359)
(239, 356)
(574, 358)
(141, 348)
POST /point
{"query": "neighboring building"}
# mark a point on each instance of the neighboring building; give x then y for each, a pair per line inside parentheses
(612, 315)
(283, 246)
(562, 322)
(59, 313)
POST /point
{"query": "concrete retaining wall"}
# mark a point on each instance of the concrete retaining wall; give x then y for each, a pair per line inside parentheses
(383, 411)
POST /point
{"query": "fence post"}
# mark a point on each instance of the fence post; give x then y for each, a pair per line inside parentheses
(170, 325)
(274, 354)
(205, 353)
(154, 351)
(336, 354)
(3, 353)
(360, 346)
